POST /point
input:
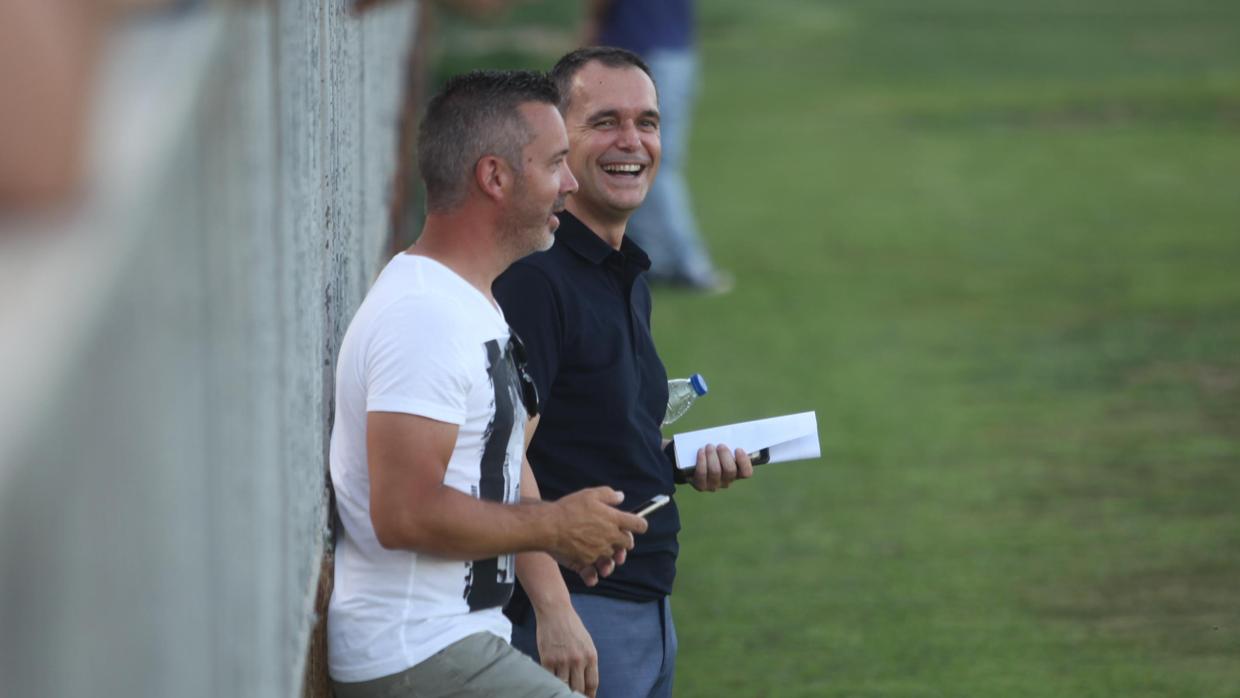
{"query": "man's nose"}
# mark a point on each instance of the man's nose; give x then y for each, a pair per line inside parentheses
(629, 138)
(568, 183)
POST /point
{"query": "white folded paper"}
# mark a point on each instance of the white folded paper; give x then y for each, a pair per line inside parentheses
(790, 437)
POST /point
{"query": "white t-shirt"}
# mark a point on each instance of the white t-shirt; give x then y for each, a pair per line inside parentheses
(424, 342)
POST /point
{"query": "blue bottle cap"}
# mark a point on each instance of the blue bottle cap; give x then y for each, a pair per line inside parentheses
(698, 383)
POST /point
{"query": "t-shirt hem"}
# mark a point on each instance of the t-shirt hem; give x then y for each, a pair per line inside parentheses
(378, 670)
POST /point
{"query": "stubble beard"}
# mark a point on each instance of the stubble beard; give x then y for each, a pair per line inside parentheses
(526, 232)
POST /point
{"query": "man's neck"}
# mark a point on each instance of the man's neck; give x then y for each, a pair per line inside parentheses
(465, 246)
(611, 231)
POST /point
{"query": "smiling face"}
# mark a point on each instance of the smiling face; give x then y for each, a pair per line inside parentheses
(613, 133)
(543, 183)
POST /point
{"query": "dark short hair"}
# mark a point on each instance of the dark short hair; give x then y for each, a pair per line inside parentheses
(567, 67)
(474, 115)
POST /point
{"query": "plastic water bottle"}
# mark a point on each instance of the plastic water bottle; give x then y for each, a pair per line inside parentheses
(681, 392)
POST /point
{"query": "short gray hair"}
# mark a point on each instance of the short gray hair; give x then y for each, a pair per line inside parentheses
(476, 114)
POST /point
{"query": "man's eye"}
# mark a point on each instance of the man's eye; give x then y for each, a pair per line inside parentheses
(605, 123)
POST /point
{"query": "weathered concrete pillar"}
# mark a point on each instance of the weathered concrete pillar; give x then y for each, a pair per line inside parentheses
(162, 484)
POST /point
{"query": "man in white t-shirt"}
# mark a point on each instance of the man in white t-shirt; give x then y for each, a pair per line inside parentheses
(427, 450)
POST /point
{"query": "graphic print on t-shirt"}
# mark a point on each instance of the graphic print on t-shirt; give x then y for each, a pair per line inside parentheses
(489, 583)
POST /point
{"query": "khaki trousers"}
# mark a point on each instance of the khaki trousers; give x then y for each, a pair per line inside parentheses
(479, 665)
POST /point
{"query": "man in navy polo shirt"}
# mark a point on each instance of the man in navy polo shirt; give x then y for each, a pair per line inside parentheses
(583, 308)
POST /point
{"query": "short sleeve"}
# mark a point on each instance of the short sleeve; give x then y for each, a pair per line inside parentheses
(533, 310)
(418, 360)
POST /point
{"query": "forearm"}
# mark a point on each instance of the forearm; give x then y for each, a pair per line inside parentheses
(539, 574)
(449, 523)
(540, 577)
(412, 509)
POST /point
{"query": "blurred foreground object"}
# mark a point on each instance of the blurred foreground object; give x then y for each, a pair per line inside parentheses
(48, 51)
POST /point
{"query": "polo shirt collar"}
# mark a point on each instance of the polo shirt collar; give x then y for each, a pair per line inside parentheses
(580, 239)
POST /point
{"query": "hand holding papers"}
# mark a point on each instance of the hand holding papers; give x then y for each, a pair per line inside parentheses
(790, 437)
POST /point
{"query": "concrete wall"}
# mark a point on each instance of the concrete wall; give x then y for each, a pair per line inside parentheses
(169, 347)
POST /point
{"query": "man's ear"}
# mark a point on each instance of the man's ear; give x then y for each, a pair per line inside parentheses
(494, 177)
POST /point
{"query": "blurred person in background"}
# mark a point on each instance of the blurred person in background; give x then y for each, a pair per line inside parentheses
(431, 405)
(662, 32)
(584, 309)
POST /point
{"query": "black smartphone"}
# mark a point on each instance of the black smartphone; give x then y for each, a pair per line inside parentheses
(645, 508)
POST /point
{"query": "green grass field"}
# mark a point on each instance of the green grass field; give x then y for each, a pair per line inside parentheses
(996, 246)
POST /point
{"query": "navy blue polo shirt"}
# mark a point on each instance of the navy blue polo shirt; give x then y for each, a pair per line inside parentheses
(583, 310)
